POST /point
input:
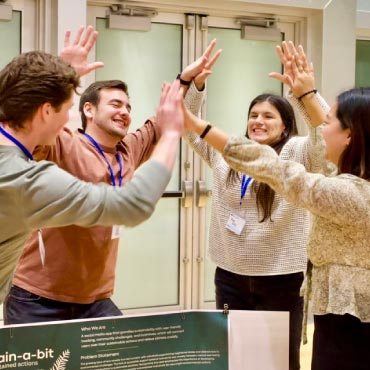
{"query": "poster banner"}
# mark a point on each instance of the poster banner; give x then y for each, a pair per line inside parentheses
(182, 341)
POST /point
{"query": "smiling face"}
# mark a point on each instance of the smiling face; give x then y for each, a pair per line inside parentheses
(265, 124)
(336, 138)
(110, 119)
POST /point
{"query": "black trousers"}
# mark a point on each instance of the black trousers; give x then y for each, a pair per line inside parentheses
(340, 342)
(265, 293)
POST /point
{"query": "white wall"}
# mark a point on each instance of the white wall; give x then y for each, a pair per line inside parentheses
(338, 47)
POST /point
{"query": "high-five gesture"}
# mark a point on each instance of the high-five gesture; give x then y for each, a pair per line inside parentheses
(170, 116)
(299, 76)
(76, 54)
(298, 72)
(201, 68)
(202, 76)
(170, 119)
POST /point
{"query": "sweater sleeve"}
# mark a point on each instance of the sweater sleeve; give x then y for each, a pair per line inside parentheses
(314, 147)
(193, 101)
(142, 141)
(194, 98)
(53, 197)
(340, 199)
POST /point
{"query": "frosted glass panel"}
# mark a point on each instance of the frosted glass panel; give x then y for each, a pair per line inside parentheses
(10, 39)
(147, 269)
(241, 73)
(144, 60)
(362, 63)
(147, 273)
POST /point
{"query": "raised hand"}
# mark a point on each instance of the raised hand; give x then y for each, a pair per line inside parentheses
(76, 54)
(170, 116)
(285, 54)
(298, 72)
(202, 76)
(304, 77)
(201, 68)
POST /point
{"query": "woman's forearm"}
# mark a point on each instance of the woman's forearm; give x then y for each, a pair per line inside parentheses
(315, 111)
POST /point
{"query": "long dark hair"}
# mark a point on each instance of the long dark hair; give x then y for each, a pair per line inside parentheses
(353, 112)
(264, 194)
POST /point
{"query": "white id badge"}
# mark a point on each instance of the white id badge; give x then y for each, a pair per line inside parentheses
(116, 231)
(235, 224)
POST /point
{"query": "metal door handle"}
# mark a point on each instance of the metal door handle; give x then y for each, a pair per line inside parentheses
(202, 193)
(187, 194)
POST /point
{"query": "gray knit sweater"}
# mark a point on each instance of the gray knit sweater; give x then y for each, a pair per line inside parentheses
(39, 194)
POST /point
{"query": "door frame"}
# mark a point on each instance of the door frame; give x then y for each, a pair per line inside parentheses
(192, 220)
(291, 29)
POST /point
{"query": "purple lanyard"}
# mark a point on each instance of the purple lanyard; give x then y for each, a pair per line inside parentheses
(244, 186)
(110, 169)
(17, 143)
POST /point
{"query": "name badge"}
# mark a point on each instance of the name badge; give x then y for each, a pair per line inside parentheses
(235, 224)
(116, 232)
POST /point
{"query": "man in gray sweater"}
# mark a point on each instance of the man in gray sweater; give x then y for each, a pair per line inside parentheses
(36, 93)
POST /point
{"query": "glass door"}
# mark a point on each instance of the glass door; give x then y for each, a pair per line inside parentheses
(162, 264)
(153, 266)
(17, 35)
(363, 62)
(241, 73)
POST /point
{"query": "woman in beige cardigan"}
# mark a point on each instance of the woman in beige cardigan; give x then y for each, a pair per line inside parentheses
(338, 244)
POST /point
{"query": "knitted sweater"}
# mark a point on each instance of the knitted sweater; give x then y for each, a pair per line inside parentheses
(39, 194)
(262, 248)
(338, 243)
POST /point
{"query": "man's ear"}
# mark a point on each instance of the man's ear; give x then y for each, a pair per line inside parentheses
(45, 111)
(88, 109)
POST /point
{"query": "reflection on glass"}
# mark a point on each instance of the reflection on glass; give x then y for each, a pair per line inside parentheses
(362, 63)
(241, 73)
(147, 273)
(10, 39)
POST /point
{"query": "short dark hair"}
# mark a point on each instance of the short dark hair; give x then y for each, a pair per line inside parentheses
(353, 112)
(92, 95)
(30, 80)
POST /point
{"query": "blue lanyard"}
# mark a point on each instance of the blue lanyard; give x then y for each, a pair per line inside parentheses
(119, 159)
(17, 143)
(244, 186)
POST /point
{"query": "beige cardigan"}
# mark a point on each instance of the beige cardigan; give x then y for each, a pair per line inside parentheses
(338, 243)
